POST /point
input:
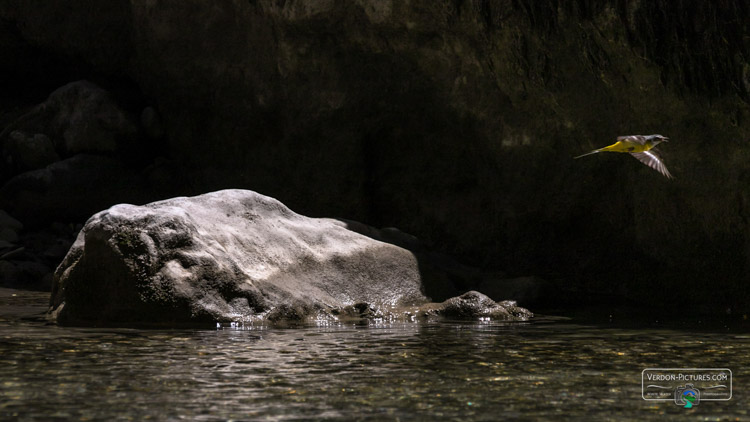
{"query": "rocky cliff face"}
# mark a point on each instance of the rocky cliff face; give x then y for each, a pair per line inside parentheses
(454, 120)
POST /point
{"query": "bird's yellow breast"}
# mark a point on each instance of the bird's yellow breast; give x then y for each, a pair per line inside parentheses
(621, 146)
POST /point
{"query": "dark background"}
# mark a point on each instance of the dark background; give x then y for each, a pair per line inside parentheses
(455, 121)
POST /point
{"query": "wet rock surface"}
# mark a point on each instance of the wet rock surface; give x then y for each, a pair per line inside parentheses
(231, 255)
(473, 305)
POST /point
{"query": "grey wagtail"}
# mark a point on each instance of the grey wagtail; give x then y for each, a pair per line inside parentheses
(640, 147)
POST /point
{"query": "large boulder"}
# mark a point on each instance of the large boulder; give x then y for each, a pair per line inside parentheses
(231, 255)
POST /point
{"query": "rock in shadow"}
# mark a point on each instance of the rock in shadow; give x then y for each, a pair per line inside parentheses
(444, 277)
(77, 153)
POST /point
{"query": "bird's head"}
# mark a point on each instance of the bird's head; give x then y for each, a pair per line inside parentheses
(655, 139)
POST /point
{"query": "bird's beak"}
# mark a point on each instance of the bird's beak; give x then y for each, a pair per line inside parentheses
(665, 139)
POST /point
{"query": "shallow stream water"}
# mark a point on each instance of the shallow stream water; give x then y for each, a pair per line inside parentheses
(550, 368)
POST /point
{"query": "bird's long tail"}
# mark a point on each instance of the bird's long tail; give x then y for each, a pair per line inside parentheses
(589, 153)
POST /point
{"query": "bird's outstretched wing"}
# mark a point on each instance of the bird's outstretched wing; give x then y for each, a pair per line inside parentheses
(651, 158)
(638, 139)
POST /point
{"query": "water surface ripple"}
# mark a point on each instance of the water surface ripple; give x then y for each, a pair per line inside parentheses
(544, 370)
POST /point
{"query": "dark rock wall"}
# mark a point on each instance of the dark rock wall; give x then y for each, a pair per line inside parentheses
(453, 120)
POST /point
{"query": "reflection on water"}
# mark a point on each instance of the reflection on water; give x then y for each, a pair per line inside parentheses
(544, 370)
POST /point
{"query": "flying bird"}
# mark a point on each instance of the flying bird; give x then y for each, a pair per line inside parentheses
(640, 147)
